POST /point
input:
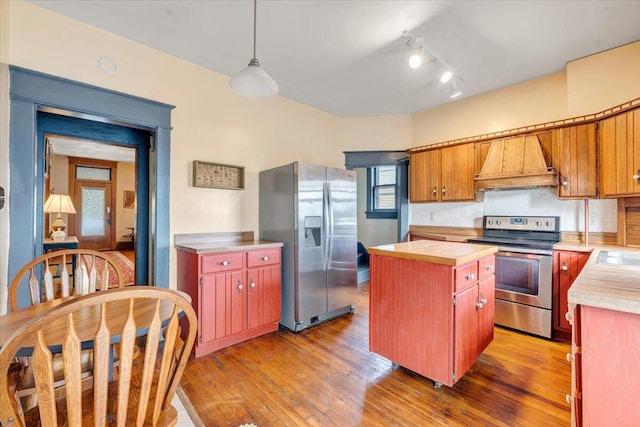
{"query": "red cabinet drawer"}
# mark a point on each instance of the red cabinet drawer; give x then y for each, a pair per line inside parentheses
(486, 267)
(263, 257)
(466, 275)
(222, 262)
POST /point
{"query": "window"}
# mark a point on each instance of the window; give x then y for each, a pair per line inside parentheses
(381, 194)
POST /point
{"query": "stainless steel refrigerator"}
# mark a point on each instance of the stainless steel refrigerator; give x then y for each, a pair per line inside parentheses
(312, 209)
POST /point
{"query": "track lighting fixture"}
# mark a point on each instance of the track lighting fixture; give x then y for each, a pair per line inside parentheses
(455, 91)
(253, 81)
(416, 59)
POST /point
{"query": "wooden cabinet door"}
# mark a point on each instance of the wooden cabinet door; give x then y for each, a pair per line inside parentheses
(465, 330)
(223, 305)
(418, 170)
(425, 176)
(575, 157)
(263, 296)
(620, 155)
(457, 165)
(569, 265)
(486, 314)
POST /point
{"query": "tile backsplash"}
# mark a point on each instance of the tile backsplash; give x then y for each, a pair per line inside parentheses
(535, 201)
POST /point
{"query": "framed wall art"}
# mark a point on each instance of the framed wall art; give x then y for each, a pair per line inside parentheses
(217, 175)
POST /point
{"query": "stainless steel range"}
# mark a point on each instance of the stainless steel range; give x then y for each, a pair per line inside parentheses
(523, 269)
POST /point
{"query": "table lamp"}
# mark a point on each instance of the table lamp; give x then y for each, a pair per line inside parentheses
(59, 204)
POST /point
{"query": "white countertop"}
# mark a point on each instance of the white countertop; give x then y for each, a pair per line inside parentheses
(613, 287)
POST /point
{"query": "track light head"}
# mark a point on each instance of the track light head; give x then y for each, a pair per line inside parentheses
(455, 91)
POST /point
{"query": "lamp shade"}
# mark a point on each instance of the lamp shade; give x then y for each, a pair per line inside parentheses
(59, 203)
(254, 82)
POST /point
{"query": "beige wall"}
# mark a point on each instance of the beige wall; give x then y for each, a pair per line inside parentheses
(124, 217)
(601, 81)
(535, 101)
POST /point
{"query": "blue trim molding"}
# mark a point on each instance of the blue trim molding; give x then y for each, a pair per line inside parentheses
(31, 93)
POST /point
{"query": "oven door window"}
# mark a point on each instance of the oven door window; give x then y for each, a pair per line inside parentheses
(517, 274)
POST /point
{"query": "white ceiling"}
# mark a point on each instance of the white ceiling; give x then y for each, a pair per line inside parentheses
(349, 57)
(91, 150)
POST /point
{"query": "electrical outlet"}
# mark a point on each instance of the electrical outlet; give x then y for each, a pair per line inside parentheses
(432, 216)
(593, 218)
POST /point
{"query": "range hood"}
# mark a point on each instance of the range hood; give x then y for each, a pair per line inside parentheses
(515, 163)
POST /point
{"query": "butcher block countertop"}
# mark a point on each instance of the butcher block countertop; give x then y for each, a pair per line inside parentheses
(437, 252)
(211, 247)
(614, 287)
(204, 243)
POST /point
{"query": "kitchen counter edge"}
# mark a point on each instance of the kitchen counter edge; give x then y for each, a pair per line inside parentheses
(213, 247)
(436, 252)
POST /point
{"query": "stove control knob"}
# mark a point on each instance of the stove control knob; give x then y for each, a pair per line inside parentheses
(539, 223)
(548, 223)
(498, 222)
(490, 222)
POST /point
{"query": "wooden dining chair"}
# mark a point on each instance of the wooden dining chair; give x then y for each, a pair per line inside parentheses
(51, 276)
(48, 276)
(142, 393)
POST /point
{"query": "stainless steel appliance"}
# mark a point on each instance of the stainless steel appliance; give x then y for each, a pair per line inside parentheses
(523, 269)
(312, 209)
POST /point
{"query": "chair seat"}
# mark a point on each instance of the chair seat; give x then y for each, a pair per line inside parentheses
(168, 416)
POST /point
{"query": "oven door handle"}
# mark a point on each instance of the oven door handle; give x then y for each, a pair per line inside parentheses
(520, 255)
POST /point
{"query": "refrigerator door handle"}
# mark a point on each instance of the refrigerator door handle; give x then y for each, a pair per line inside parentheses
(325, 224)
(330, 221)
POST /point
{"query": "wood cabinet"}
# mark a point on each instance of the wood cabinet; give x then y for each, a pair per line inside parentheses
(605, 358)
(236, 294)
(574, 156)
(566, 267)
(433, 319)
(442, 174)
(619, 152)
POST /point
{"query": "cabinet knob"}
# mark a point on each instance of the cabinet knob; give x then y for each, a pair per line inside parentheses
(637, 176)
(265, 258)
(565, 267)
(488, 267)
(253, 285)
(565, 183)
(483, 300)
(479, 304)
(569, 357)
(225, 263)
(444, 190)
(569, 399)
(435, 191)
(470, 276)
(239, 286)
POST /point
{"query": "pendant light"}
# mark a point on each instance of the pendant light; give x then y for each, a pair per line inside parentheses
(253, 81)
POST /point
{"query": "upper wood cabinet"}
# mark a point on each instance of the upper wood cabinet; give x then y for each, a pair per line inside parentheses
(620, 155)
(574, 155)
(442, 174)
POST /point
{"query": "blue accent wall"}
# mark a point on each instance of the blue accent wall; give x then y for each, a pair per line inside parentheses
(32, 93)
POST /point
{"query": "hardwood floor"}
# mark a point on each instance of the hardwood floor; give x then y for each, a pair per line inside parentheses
(326, 376)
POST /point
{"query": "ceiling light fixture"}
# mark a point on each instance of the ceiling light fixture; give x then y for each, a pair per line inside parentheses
(253, 81)
(415, 61)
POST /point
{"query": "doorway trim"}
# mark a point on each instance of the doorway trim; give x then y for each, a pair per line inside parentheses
(30, 92)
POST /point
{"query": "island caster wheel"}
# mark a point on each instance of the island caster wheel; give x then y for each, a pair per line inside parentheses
(436, 384)
(394, 365)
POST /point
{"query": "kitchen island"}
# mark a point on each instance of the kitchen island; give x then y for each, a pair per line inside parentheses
(431, 306)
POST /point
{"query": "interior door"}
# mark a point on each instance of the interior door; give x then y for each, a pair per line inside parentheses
(92, 223)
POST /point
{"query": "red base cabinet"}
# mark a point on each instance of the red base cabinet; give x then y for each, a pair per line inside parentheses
(236, 295)
(431, 318)
(566, 267)
(605, 367)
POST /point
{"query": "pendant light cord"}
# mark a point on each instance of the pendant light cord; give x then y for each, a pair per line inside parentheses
(255, 19)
